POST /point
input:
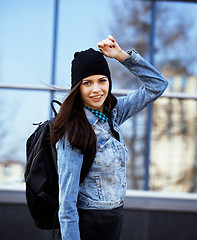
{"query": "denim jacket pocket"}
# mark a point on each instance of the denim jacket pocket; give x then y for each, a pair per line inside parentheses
(105, 153)
(93, 187)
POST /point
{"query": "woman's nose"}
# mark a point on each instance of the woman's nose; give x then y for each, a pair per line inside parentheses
(96, 87)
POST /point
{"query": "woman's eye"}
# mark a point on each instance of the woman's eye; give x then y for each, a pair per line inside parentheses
(86, 83)
(103, 80)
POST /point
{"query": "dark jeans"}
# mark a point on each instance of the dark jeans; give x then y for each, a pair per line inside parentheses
(100, 224)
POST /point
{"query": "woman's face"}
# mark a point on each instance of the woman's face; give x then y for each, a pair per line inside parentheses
(94, 90)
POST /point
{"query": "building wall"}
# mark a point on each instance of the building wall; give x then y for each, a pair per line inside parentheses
(16, 223)
(148, 216)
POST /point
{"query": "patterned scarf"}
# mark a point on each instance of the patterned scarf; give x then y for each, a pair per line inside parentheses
(101, 116)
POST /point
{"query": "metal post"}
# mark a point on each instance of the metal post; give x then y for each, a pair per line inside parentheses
(150, 108)
(53, 70)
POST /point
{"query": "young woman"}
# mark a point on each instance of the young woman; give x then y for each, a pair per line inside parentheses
(86, 133)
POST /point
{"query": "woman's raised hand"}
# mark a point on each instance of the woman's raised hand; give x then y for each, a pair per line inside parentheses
(110, 48)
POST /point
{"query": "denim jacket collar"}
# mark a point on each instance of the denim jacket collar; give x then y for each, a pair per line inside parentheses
(91, 117)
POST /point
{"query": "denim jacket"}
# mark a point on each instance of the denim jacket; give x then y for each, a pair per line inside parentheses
(105, 184)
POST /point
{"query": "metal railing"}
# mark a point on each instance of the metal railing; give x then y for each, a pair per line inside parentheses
(56, 88)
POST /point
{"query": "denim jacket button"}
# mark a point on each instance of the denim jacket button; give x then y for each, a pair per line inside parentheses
(122, 164)
(124, 185)
(101, 146)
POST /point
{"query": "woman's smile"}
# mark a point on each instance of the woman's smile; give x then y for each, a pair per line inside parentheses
(96, 98)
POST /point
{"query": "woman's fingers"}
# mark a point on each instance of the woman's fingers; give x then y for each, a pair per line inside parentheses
(109, 47)
(108, 42)
(111, 38)
(99, 45)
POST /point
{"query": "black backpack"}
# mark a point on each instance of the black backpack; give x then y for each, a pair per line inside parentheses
(41, 176)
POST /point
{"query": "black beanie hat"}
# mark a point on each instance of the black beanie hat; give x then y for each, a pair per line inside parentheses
(87, 63)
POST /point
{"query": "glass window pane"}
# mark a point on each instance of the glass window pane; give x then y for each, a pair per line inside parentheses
(173, 152)
(134, 134)
(26, 41)
(81, 26)
(175, 36)
(20, 110)
(174, 146)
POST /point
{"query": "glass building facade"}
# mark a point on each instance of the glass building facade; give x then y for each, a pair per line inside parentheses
(37, 43)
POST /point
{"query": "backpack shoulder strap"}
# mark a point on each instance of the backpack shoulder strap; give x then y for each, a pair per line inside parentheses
(52, 106)
(53, 149)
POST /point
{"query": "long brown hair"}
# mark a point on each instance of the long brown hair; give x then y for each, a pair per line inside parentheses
(72, 123)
